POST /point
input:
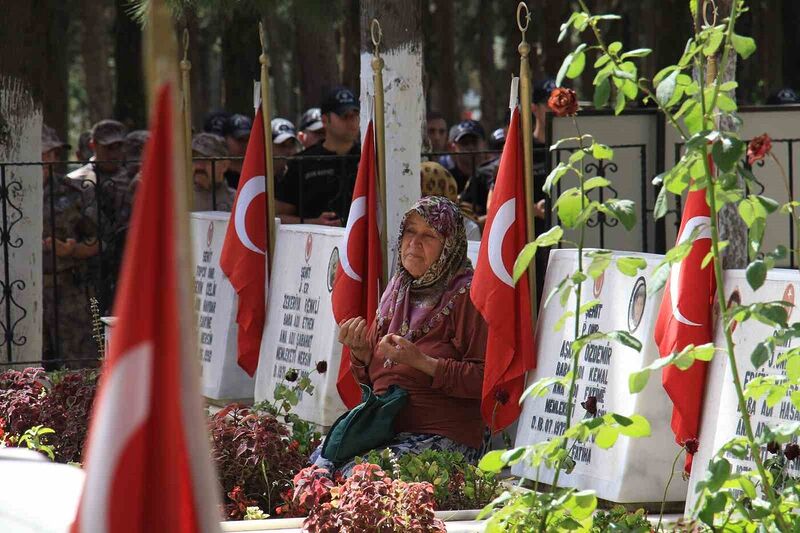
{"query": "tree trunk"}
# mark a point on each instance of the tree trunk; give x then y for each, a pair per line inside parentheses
(401, 50)
(316, 53)
(129, 106)
(486, 68)
(731, 226)
(240, 51)
(96, 49)
(791, 61)
(351, 41)
(444, 86)
(22, 71)
(54, 80)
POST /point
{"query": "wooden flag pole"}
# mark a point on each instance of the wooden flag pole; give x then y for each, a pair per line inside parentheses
(266, 120)
(380, 143)
(186, 86)
(527, 140)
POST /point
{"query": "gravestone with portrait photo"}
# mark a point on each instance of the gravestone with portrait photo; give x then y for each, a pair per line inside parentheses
(633, 470)
(720, 419)
(300, 330)
(215, 302)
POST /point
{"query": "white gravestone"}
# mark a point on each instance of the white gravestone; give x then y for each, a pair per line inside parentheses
(215, 306)
(720, 420)
(300, 329)
(634, 470)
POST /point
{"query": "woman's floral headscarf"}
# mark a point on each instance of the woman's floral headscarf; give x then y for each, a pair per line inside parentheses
(410, 307)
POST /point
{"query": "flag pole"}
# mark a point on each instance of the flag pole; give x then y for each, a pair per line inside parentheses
(266, 120)
(186, 85)
(527, 141)
(380, 142)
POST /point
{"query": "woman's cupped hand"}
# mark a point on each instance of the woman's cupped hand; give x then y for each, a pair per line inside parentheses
(353, 334)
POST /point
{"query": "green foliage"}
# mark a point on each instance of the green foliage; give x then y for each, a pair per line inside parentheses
(618, 519)
(36, 438)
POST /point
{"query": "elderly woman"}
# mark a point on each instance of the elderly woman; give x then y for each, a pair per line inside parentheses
(427, 337)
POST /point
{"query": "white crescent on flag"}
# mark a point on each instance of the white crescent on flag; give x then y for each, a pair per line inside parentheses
(675, 271)
(358, 209)
(503, 220)
(250, 190)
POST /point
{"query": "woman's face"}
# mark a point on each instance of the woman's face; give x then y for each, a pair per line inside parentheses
(420, 246)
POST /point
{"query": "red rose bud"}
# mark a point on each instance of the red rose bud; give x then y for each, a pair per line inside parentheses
(291, 375)
(691, 446)
(758, 148)
(563, 102)
(792, 451)
(773, 447)
(590, 404)
(322, 366)
(501, 396)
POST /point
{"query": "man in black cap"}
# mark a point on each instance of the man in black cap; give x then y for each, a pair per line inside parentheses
(285, 143)
(237, 134)
(108, 144)
(311, 129)
(465, 137)
(319, 191)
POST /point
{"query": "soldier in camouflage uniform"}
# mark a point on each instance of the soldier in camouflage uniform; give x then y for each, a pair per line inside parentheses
(69, 241)
(204, 177)
(105, 181)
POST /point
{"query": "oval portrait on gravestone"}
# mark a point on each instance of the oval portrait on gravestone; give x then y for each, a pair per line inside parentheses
(734, 300)
(210, 234)
(636, 304)
(309, 246)
(788, 297)
(598, 285)
(333, 264)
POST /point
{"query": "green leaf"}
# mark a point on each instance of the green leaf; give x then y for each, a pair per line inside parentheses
(601, 151)
(595, 182)
(578, 64)
(565, 27)
(626, 339)
(713, 42)
(638, 52)
(761, 353)
(660, 208)
(615, 47)
(576, 156)
(631, 265)
(622, 210)
(606, 437)
(725, 103)
(639, 427)
(718, 472)
(492, 461)
(563, 320)
(555, 175)
(598, 265)
(602, 59)
(658, 278)
(619, 107)
(569, 205)
(727, 152)
(524, 259)
(744, 46)
(601, 93)
(756, 274)
(591, 304)
(637, 381)
(666, 88)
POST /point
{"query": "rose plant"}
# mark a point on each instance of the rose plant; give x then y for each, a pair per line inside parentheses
(762, 498)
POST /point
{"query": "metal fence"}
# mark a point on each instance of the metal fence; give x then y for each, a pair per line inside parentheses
(103, 206)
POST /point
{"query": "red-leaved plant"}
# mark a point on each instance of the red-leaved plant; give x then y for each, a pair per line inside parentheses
(60, 401)
(255, 460)
(368, 500)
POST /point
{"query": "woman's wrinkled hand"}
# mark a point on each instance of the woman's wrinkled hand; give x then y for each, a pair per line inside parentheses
(399, 350)
(353, 334)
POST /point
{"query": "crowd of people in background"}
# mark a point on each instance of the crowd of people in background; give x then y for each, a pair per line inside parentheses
(87, 211)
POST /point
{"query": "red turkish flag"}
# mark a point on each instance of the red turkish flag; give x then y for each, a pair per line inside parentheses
(685, 318)
(356, 288)
(148, 464)
(505, 307)
(243, 252)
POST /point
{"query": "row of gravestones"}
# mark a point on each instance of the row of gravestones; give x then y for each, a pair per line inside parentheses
(301, 331)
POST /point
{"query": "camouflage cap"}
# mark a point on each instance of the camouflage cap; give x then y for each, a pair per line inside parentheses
(50, 139)
(135, 141)
(109, 132)
(209, 145)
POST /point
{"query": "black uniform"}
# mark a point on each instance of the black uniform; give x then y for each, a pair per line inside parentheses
(318, 185)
